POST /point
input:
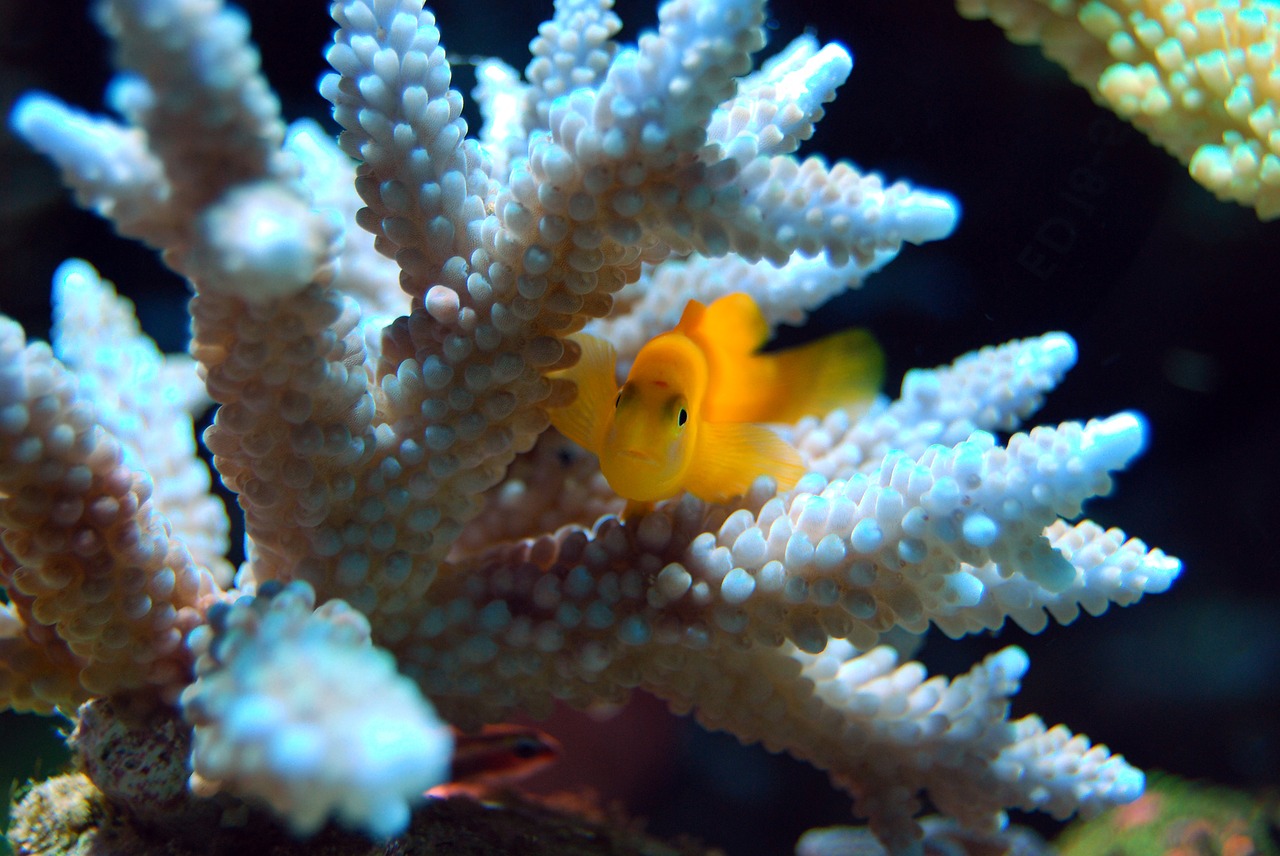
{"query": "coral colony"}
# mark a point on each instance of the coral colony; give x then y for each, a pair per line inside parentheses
(421, 549)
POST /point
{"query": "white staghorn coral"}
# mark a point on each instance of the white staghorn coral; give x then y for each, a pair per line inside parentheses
(408, 474)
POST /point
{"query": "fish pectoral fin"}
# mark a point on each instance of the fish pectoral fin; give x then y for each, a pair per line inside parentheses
(730, 456)
(635, 510)
(584, 421)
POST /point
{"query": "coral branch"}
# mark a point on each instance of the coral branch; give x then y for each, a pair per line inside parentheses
(196, 71)
(89, 553)
(297, 708)
(146, 400)
(426, 186)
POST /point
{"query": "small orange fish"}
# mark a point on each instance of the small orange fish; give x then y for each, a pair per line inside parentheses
(495, 757)
(687, 417)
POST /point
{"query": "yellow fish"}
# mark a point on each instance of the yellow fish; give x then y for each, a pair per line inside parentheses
(687, 417)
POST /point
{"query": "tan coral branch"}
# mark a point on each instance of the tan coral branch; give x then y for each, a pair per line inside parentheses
(1199, 77)
(93, 557)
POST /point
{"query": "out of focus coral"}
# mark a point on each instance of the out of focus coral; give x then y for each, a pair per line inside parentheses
(942, 837)
(1199, 77)
(1180, 818)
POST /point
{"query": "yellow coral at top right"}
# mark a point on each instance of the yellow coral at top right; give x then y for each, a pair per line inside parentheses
(1198, 77)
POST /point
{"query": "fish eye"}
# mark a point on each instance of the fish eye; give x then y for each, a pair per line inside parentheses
(683, 417)
(526, 748)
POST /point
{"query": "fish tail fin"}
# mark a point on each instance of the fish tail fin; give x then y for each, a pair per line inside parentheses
(835, 371)
(730, 456)
(595, 374)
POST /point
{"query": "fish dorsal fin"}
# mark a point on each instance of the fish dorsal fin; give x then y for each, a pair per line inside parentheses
(729, 332)
(731, 456)
(595, 374)
(732, 326)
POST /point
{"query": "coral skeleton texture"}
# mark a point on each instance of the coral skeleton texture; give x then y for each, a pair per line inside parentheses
(381, 418)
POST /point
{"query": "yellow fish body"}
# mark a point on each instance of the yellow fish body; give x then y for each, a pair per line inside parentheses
(687, 417)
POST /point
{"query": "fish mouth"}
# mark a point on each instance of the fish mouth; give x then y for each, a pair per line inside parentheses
(639, 455)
